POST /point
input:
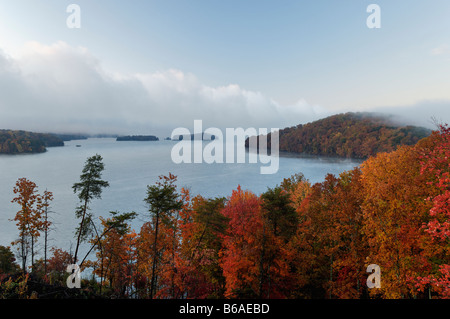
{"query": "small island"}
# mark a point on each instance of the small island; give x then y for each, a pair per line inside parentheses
(198, 137)
(140, 138)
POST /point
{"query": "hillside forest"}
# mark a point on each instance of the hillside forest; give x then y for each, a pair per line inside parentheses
(349, 135)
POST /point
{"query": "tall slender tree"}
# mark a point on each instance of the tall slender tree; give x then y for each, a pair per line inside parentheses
(44, 206)
(115, 252)
(90, 187)
(27, 217)
(163, 201)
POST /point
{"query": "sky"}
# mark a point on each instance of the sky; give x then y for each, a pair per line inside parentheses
(148, 67)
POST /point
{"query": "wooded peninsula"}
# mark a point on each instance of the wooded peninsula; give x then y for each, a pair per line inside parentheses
(349, 135)
(17, 142)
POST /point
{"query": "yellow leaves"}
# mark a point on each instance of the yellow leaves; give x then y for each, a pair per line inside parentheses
(299, 192)
(394, 210)
(14, 289)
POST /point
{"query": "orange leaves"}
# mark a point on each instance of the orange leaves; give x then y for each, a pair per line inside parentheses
(116, 255)
(242, 209)
(330, 245)
(59, 262)
(239, 258)
(395, 208)
(27, 197)
(296, 240)
(29, 218)
(257, 254)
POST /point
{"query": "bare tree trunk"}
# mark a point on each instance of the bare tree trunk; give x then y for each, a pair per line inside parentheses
(81, 228)
(155, 257)
(45, 239)
(23, 254)
(32, 253)
(261, 263)
(331, 277)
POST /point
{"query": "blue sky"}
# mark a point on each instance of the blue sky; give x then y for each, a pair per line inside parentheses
(237, 63)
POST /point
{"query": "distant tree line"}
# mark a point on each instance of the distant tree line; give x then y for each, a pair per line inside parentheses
(142, 138)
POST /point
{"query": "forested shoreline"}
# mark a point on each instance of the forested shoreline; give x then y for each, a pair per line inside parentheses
(297, 240)
(348, 135)
(19, 142)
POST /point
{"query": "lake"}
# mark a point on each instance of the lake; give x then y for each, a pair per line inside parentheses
(129, 168)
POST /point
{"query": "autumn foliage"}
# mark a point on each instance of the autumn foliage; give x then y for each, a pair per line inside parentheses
(19, 142)
(351, 135)
(295, 240)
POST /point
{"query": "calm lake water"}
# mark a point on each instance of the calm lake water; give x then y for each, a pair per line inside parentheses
(129, 168)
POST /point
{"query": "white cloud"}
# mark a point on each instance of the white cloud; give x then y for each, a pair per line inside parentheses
(443, 49)
(61, 88)
(423, 113)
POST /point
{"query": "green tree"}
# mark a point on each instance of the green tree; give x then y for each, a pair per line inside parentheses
(114, 251)
(202, 234)
(163, 201)
(89, 188)
(7, 261)
(279, 222)
(279, 212)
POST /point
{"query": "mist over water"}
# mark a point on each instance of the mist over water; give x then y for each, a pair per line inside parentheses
(129, 168)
